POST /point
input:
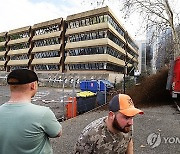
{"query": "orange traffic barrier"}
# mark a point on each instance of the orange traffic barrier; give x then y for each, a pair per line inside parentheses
(71, 108)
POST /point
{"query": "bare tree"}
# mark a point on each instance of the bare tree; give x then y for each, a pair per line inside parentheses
(160, 14)
(165, 48)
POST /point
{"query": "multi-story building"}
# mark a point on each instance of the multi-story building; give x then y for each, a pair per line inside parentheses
(98, 43)
(18, 48)
(92, 43)
(142, 56)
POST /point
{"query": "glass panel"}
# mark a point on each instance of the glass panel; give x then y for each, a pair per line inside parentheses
(44, 67)
(2, 59)
(83, 22)
(18, 67)
(2, 39)
(115, 25)
(87, 36)
(19, 46)
(2, 49)
(115, 39)
(46, 42)
(101, 19)
(49, 29)
(95, 20)
(47, 54)
(105, 18)
(19, 35)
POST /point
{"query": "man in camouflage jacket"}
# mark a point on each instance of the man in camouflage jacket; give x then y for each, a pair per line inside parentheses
(111, 134)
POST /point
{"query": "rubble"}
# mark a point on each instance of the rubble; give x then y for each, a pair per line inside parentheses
(151, 91)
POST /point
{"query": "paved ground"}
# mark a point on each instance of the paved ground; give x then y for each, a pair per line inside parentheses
(157, 131)
(161, 121)
(51, 97)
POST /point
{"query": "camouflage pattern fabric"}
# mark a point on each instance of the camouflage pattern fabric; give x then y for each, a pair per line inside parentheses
(97, 139)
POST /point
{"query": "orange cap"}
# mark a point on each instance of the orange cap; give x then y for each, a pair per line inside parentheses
(124, 104)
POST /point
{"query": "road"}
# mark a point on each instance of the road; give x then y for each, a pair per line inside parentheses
(157, 131)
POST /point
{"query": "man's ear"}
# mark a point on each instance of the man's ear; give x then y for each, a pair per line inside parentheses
(33, 85)
(111, 115)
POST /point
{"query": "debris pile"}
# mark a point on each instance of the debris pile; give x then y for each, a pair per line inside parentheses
(151, 91)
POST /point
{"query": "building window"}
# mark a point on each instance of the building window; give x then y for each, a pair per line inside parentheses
(115, 53)
(47, 67)
(95, 20)
(115, 25)
(19, 57)
(2, 39)
(45, 30)
(86, 51)
(86, 66)
(18, 67)
(132, 53)
(46, 42)
(2, 49)
(47, 54)
(115, 39)
(96, 50)
(2, 59)
(112, 67)
(19, 46)
(87, 36)
(132, 43)
(19, 35)
(96, 66)
(96, 35)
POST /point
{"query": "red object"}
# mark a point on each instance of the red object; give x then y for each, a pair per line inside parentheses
(71, 108)
(176, 77)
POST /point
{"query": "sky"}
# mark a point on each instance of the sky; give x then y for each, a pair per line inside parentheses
(19, 13)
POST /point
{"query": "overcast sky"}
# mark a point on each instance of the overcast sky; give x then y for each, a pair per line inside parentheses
(19, 13)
